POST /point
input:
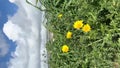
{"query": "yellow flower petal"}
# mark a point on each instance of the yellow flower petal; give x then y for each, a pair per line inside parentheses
(65, 48)
(86, 28)
(78, 24)
(60, 15)
(69, 34)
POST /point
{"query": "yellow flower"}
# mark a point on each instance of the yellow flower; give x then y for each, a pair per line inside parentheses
(60, 15)
(69, 34)
(86, 28)
(78, 24)
(65, 48)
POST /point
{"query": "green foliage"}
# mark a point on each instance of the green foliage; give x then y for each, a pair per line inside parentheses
(99, 48)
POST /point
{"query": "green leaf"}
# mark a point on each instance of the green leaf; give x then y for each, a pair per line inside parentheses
(37, 2)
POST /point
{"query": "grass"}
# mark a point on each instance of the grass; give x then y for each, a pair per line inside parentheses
(93, 46)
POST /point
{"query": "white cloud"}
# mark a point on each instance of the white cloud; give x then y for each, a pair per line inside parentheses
(12, 30)
(26, 30)
(12, 1)
(4, 47)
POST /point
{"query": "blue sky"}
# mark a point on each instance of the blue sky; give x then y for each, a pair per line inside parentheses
(6, 9)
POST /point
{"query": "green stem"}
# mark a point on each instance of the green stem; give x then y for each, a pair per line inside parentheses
(35, 6)
(100, 40)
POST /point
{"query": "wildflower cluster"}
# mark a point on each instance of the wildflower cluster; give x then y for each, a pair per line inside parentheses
(77, 25)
